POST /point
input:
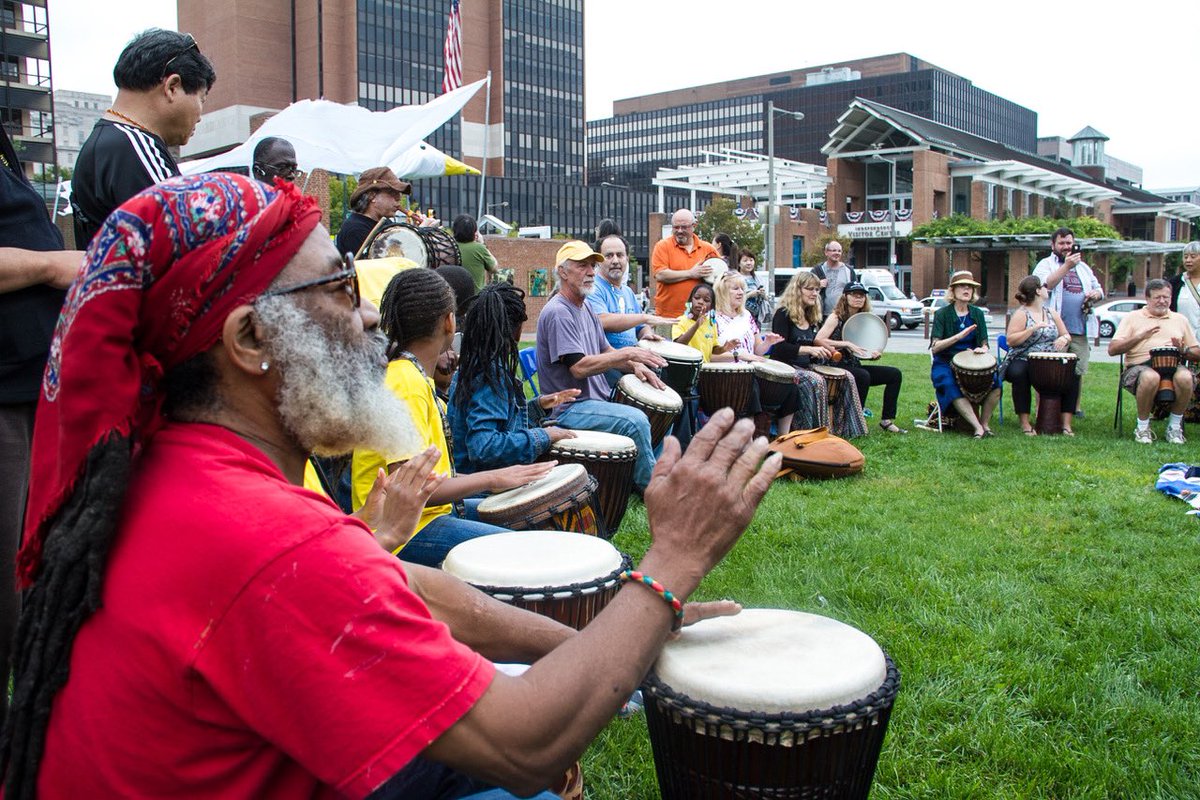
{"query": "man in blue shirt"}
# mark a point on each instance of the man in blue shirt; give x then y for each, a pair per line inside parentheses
(615, 303)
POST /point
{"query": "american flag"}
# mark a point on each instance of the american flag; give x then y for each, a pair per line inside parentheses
(452, 50)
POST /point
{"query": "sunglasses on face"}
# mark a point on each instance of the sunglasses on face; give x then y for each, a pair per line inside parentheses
(348, 277)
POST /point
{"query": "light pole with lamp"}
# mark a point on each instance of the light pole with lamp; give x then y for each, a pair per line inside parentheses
(772, 189)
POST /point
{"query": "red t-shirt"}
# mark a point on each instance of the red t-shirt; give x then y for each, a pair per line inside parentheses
(254, 642)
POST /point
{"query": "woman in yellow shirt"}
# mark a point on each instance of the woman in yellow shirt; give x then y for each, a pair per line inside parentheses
(418, 317)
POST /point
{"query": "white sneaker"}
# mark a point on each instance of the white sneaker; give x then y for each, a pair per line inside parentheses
(1143, 436)
(1175, 435)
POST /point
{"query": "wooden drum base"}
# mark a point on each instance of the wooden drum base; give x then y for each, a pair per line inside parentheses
(1049, 415)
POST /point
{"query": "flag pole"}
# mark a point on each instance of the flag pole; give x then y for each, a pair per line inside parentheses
(487, 128)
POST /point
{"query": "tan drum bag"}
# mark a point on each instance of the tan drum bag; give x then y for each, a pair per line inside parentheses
(816, 453)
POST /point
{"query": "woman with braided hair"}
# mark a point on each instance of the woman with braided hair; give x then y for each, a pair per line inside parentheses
(417, 315)
(489, 415)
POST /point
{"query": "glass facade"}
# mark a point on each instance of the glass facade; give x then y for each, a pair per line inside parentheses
(400, 62)
(629, 148)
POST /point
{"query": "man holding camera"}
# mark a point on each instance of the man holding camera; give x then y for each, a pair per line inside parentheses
(1073, 290)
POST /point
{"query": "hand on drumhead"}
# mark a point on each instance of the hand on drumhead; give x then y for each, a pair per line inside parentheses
(394, 504)
(549, 401)
(724, 471)
(557, 434)
(980, 349)
(640, 355)
(511, 477)
(648, 376)
(698, 612)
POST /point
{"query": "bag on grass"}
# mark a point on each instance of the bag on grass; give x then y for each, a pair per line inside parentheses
(816, 453)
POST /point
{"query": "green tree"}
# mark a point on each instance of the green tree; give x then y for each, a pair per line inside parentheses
(815, 253)
(719, 218)
(54, 174)
(340, 189)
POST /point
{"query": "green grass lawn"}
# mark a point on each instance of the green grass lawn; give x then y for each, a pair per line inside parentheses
(1038, 595)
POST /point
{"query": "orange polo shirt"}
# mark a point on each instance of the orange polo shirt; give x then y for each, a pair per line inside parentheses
(670, 298)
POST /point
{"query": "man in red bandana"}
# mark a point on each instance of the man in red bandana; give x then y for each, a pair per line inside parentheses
(200, 625)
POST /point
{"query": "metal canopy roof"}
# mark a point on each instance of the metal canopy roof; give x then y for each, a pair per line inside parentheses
(1032, 179)
(1041, 241)
(739, 173)
(1183, 211)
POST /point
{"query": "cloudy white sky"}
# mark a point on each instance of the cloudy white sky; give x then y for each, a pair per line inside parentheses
(1129, 70)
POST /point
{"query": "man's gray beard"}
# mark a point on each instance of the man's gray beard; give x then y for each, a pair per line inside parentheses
(332, 397)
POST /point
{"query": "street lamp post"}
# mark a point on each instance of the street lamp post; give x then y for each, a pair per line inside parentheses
(772, 189)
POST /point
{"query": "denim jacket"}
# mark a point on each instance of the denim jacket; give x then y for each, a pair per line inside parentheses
(492, 431)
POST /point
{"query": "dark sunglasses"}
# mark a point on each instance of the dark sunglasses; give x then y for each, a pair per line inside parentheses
(348, 277)
(288, 172)
(191, 43)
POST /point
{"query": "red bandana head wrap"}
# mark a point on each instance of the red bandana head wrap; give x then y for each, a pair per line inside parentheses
(161, 277)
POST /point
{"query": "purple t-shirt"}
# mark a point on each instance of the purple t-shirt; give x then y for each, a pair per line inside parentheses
(563, 329)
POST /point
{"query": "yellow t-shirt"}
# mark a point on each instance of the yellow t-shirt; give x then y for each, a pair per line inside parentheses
(374, 274)
(405, 380)
(703, 339)
(312, 481)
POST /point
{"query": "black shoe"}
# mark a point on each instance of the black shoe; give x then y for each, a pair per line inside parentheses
(1079, 414)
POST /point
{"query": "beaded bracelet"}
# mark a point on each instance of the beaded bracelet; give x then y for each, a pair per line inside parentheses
(674, 602)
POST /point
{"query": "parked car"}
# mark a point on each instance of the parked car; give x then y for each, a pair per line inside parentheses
(887, 301)
(932, 304)
(1110, 314)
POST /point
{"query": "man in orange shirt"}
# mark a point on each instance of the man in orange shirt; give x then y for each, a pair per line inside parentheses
(676, 265)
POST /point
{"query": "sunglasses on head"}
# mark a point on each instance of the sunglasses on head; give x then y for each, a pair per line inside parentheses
(191, 43)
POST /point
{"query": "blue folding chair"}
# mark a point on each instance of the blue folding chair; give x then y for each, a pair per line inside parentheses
(528, 357)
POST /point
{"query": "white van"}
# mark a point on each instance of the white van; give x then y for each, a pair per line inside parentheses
(889, 302)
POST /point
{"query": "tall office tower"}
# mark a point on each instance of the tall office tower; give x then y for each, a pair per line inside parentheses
(26, 105)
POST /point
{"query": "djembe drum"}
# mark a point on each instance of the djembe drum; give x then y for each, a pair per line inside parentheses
(975, 374)
(775, 381)
(428, 247)
(835, 383)
(609, 458)
(568, 577)
(661, 406)
(769, 703)
(1165, 360)
(563, 500)
(725, 384)
(1051, 374)
(683, 364)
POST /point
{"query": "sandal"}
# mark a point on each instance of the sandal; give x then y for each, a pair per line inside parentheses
(988, 432)
(890, 426)
(1068, 432)
(977, 435)
(1029, 431)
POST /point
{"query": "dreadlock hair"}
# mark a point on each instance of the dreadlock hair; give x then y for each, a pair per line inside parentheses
(413, 303)
(489, 344)
(64, 595)
(68, 585)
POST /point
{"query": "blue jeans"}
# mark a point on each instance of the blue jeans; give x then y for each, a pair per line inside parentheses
(435, 540)
(429, 780)
(599, 415)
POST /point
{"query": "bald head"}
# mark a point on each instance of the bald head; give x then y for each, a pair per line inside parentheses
(683, 226)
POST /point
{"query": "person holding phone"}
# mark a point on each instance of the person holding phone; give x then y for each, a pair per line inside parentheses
(1073, 291)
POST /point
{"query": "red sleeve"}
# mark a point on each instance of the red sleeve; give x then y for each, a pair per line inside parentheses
(328, 655)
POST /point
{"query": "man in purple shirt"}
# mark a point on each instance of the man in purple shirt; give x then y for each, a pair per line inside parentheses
(572, 353)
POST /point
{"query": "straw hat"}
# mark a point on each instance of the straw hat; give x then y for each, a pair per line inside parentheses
(963, 276)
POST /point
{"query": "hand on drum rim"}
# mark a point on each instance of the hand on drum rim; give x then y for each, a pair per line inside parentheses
(723, 468)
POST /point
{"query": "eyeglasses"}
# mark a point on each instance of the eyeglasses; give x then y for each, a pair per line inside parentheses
(288, 172)
(348, 277)
(191, 43)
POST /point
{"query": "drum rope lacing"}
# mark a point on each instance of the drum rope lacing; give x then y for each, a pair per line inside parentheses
(570, 590)
(571, 501)
(825, 720)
